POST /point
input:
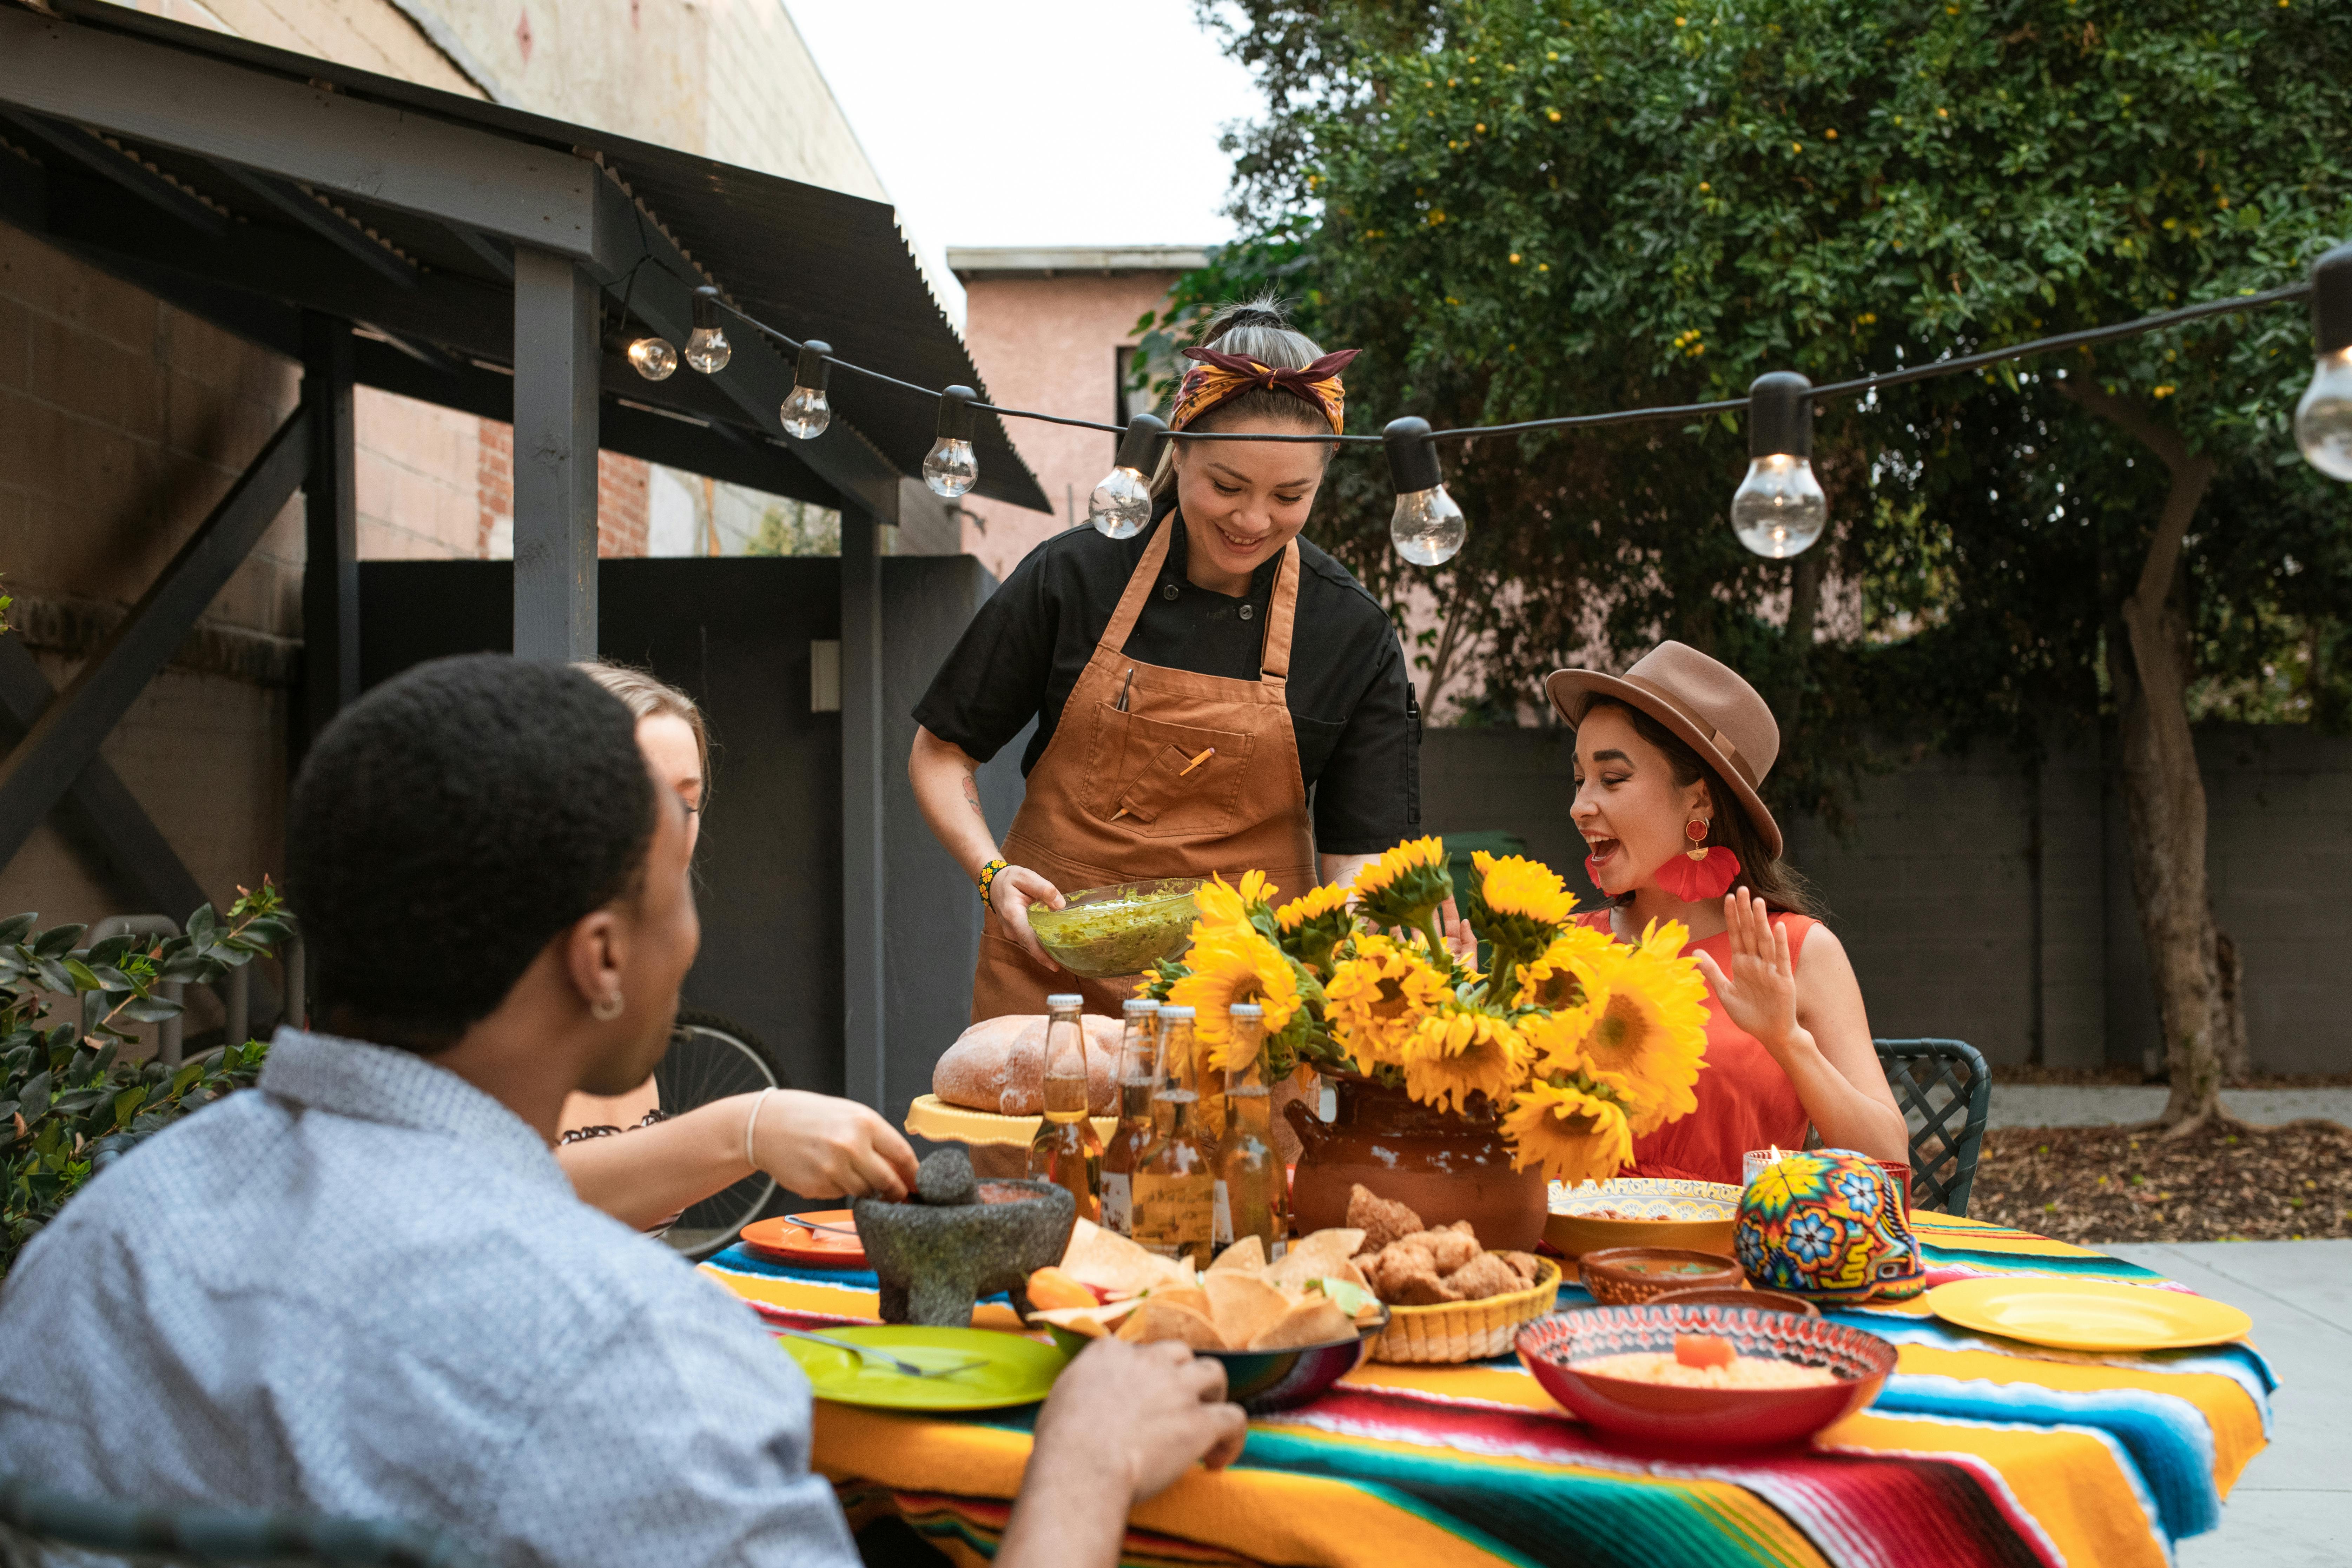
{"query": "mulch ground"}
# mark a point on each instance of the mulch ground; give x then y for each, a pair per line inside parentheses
(2094, 1184)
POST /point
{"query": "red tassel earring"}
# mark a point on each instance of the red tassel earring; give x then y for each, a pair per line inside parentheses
(1698, 873)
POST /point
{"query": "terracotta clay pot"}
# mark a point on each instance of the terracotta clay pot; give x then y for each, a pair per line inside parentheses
(1445, 1165)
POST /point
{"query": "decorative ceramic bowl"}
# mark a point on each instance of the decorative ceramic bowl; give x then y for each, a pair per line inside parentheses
(1827, 1225)
(1668, 1213)
(1261, 1381)
(1710, 1417)
(1104, 933)
(1717, 1296)
(1627, 1276)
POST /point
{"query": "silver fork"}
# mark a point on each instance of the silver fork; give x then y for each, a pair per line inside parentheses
(905, 1368)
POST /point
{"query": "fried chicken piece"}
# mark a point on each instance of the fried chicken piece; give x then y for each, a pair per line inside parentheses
(1381, 1220)
(1485, 1275)
(1449, 1248)
(1530, 1267)
(1405, 1275)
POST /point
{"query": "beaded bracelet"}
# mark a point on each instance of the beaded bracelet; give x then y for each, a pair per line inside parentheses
(988, 878)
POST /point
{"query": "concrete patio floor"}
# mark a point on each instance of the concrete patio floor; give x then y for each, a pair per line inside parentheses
(2293, 1507)
(2114, 1105)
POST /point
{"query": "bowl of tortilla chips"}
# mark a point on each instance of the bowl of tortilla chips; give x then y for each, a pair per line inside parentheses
(1284, 1331)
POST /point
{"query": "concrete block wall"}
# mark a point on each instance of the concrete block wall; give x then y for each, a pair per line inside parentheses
(1985, 901)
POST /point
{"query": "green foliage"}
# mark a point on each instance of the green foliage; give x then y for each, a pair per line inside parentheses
(65, 1099)
(1529, 207)
(796, 528)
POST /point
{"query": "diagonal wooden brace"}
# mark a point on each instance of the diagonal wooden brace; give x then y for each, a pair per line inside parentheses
(64, 739)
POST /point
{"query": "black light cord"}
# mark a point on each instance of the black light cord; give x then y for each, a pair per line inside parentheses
(1929, 371)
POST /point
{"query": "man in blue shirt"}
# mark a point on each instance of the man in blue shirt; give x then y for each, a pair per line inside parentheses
(365, 1287)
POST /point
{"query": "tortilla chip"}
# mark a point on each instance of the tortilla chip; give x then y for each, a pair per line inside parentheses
(1314, 1321)
(1188, 1296)
(1107, 1259)
(1312, 1257)
(1157, 1320)
(1248, 1255)
(1094, 1323)
(1243, 1305)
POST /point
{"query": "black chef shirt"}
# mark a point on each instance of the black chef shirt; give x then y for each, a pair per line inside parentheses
(1350, 699)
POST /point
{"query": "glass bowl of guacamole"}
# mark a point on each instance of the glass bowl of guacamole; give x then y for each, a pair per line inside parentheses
(1103, 933)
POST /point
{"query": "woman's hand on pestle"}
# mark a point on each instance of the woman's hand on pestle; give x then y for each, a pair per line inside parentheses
(818, 1146)
(1124, 1424)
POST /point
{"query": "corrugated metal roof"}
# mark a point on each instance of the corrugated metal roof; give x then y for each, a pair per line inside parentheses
(809, 261)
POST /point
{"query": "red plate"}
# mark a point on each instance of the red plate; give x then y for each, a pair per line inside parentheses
(787, 1242)
(1704, 1417)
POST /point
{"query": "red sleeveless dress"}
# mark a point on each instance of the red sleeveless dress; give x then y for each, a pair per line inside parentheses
(1745, 1101)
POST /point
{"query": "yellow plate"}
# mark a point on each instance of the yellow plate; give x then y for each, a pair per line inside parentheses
(1014, 1370)
(933, 1118)
(2088, 1314)
(1695, 1215)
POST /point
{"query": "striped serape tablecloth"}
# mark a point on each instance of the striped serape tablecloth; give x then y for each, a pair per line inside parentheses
(1978, 1451)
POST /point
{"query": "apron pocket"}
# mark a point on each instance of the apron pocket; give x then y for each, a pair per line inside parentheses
(1152, 774)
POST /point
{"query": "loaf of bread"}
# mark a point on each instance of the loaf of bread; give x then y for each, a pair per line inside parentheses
(998, 1064)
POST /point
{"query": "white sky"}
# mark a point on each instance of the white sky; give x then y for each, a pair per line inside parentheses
(1035, 121)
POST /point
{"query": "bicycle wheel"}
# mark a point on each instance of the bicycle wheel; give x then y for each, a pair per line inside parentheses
(711, 1058)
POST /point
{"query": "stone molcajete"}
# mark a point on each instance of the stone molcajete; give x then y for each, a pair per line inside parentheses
(958, 1239)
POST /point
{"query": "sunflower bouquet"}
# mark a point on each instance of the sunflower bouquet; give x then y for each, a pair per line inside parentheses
(1578, 1043)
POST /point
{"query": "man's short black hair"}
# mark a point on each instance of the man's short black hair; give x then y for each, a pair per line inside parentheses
(445, 827)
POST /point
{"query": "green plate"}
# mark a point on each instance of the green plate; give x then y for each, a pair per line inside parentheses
(1018, 1371)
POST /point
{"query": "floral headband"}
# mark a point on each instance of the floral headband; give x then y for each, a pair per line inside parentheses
(1216, 379)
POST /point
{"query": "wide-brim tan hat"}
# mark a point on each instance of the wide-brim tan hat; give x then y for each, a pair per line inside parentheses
(1699, 699)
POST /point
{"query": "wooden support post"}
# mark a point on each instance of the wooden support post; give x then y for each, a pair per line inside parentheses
(557, 362)
(863, 991)
(331, 571)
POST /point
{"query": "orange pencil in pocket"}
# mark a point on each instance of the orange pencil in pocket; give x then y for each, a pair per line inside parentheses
(1206, 753)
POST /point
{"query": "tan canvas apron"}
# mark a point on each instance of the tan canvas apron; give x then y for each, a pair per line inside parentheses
(1243, 809)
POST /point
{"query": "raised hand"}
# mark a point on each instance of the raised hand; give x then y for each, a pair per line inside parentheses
(1760, 992)
(1460, 939)
(823, 1146)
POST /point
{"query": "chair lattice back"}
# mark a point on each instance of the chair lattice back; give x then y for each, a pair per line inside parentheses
(35, 1522)
(1945, 1091)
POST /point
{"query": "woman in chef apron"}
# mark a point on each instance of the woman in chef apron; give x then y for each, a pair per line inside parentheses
(1191, 686)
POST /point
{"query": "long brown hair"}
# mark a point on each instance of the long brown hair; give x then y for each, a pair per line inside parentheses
(1774, 881)
(645, 695)
(1260, 329)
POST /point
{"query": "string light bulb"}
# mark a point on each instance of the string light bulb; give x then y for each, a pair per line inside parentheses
(952, 468)
(656, 359)
(2323, 419)
(706, 348)
(1121, 503)
(1779, 509)
(1427, 527)
(806, 412)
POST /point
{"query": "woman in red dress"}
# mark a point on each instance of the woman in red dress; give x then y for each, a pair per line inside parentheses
(1668, 759)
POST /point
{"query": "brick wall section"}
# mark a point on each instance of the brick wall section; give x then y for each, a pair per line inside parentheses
(417, 468)
(622, 484)
(1984, 900)
(494, 486)
(621, 497)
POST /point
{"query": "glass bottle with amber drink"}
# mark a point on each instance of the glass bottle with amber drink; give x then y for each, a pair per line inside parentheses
(1252, 1194)
(1138, 1055)
(1065, 1150)
(1174, 1187)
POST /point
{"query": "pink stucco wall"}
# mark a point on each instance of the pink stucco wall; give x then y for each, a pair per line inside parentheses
(1051, 344)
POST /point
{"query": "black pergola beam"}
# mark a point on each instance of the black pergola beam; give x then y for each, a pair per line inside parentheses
(289, 201)
(330, 567)
(42, 766)
(557, 363)
(516, 190)
(111, 164)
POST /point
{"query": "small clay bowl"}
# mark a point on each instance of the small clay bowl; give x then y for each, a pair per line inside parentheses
(1719, 1296)
(1629, 1275)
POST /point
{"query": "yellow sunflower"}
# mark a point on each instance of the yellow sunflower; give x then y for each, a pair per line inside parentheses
(1311, 905)
(1517, 886)
(1646, 1015)
(1550, 979)
(1574, 1136)
(1223, 905)
(1404, 887)
(1462, 1052)
(1230, 965)
(1375, 998)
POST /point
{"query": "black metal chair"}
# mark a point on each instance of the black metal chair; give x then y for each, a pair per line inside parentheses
(35, 1520)
(1945, 1090)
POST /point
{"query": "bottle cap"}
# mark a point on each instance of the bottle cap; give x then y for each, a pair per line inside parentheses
(1247, 1010)
(1064, 1001)
(1174, 1012)
(1139, 1004)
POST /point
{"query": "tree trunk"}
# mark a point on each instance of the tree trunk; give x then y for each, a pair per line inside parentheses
(2164, 795)
(1804, 611)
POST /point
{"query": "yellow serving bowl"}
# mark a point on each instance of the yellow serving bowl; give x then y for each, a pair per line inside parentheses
(1696, 1217)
